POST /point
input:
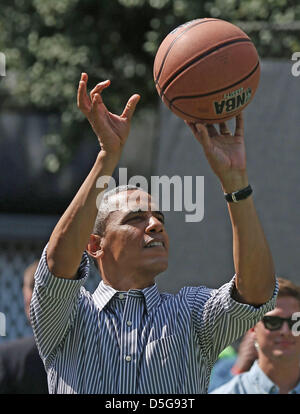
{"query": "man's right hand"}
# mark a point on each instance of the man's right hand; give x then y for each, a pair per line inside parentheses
(112, 130)
(72, 232)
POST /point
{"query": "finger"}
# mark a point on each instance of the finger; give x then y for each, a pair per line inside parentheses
(200, 132)
(192, 126)
(98, 89)
(194, 130)
(211, 130)
(83, 101)
(84, 77)
(224, 129)
(130, 106)
(204, 133)
(239, 124)
(97, 106)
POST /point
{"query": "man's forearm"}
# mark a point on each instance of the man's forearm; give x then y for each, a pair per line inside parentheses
(253, 262)
(252, 257)
(71, 234)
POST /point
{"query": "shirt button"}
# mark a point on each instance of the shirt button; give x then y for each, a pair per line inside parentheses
(128, 358)
(121, 296)
(129, 323)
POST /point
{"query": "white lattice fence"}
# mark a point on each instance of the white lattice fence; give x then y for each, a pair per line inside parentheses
(15, 256)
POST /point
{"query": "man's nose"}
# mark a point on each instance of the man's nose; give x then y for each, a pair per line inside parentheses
(154, 225)
(285, 329)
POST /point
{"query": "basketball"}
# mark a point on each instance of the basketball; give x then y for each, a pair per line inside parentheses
(206, 70)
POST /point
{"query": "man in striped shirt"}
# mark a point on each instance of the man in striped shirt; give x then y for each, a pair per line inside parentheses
(126, 337)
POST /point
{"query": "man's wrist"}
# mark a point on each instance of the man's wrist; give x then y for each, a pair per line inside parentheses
(108, 161)
(234, 182)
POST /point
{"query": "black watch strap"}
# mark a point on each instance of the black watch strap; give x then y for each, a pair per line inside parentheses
(239, 195)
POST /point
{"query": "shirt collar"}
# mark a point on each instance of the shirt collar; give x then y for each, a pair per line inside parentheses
(262, 381)
(152, 297)
(104, 293)
(296, 390)
(265, 384)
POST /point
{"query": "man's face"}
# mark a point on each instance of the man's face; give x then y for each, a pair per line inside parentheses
(135, 242)
(280, 344)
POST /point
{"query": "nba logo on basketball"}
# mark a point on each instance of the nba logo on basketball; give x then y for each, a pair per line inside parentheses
(232, 101)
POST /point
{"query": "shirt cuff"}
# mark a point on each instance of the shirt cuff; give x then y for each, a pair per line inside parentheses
(59, 287)
(237, 308)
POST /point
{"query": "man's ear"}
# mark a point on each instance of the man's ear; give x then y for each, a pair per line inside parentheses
(94, 246)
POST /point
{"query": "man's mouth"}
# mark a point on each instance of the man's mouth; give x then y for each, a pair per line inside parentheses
(284, 343)
(154, 244)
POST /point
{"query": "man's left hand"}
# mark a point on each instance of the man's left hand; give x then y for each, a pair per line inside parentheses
(224, 151)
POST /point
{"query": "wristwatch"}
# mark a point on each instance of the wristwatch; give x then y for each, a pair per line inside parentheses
(239, 195)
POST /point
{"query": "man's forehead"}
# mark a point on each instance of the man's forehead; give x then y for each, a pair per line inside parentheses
(285, 304)
(132, 200)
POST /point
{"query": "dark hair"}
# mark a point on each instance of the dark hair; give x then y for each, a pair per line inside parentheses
(105, 210)
(288, 288)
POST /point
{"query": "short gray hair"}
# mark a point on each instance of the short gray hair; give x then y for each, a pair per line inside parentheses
(105, 207)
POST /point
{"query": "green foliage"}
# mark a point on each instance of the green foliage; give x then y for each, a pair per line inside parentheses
(48, 43)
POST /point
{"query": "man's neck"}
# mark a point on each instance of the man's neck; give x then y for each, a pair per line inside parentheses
(125, 281)
(126, 285)
(284, 373)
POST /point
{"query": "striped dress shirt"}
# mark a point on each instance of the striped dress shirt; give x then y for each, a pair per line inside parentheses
(135, 342)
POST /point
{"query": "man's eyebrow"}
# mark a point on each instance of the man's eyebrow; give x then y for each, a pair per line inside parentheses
(158, 212)
(133, 212)
(139, 210)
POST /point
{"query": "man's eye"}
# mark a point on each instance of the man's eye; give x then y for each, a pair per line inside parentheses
(133, 218)
(140, 217)
(160, 218)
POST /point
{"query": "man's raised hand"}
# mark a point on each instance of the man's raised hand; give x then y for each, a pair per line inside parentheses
(112, 130)
(224, 151)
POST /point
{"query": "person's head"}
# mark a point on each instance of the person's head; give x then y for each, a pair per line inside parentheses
(129, 240)
(28, 285)
(274, 337)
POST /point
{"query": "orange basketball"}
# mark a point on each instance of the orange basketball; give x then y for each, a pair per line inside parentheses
(206, 70)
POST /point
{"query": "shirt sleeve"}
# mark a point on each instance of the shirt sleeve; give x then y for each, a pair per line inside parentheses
(54, 305)
(219, 320)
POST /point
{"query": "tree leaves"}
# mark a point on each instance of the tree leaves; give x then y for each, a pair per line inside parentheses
(48, 43)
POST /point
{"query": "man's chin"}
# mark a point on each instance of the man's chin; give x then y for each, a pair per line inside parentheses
(155, 268)
(283, 354)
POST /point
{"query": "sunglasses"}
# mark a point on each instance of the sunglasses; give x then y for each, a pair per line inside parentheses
(273, 323)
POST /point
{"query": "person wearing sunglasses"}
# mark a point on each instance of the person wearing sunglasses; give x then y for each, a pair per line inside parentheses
(277, 340)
